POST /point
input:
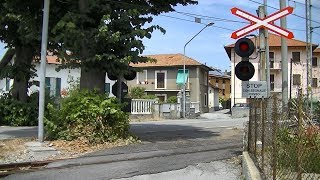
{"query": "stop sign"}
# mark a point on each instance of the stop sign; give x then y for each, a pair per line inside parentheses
(124, 89)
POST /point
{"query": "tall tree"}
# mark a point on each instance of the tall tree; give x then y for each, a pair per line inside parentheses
(106, 35)
(20, 30)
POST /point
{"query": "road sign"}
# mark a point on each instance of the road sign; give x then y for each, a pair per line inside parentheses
(124, 89)
(254, 89)
(267, 22)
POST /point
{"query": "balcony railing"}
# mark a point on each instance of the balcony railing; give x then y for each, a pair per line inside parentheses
(275, 65)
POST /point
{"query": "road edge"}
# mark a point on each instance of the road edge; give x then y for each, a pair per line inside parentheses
(250, 171)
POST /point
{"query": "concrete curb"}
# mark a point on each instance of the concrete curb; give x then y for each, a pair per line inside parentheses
(250, 171)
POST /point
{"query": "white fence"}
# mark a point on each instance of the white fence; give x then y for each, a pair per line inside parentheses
(142, 106)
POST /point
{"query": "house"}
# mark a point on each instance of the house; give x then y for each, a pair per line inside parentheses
(165, 77)
(297, 77)
(56, 81)
(222, 82)
(213, 97)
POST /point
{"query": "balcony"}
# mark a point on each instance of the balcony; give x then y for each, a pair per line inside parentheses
(275, 65)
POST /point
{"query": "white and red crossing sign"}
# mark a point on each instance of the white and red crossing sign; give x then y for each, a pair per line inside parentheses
(267, 22)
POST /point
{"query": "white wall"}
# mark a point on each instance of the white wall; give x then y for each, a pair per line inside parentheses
(64, 74)
(213, 97)
(300, 68)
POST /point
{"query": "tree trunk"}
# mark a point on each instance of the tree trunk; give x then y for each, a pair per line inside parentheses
(93, 79)
(22, 63)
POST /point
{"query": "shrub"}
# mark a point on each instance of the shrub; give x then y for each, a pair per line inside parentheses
(172, 99)
(309, 154)
(16, 113)
(89, 115)
(137, 92)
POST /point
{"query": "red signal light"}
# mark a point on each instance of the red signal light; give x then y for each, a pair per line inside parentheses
(244, 47)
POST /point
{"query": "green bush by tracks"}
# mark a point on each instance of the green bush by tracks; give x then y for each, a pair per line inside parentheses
(16, 113)
(89, 115)
(309, 153)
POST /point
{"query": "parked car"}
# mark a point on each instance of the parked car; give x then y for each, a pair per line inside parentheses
(241, 105)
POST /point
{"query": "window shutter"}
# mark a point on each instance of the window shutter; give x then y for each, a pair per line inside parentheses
(107, 87)
(58, 87)
(47, 85)
(7, 84)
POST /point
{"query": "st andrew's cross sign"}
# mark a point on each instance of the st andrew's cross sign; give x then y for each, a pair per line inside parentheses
(267, 22)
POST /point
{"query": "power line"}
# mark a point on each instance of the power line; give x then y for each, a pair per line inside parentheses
(195, 22)
(292, 14)
(296, 2)
(180, 19)
(208, 17)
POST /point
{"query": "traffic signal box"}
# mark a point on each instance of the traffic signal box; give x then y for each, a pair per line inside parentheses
(130, 75)
(244, 70)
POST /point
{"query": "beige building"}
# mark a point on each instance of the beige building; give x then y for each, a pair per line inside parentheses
(164, 78)
(297, 77)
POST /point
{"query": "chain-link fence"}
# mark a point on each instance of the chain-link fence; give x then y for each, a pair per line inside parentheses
(285, 144)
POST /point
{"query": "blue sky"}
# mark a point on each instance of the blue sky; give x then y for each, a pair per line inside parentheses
(208, 46)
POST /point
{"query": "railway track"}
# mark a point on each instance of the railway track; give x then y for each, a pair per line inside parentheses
(7, 169)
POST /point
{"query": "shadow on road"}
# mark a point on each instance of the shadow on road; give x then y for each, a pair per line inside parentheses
(165, 132)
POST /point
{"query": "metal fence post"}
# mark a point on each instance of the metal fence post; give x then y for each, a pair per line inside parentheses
(263, 120)
(250, 126)
(299, 153)
(255, 127)
(274, 137)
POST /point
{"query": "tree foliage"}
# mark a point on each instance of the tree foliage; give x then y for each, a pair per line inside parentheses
(106, 35)
(20, 30)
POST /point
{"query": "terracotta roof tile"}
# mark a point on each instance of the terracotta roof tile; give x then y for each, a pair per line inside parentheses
(168, 60)
(52, 60)
(275, 41)
(317, 50)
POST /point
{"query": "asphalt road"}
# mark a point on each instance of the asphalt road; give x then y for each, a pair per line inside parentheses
(173, 148)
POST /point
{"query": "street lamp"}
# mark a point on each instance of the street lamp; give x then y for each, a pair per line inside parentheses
(184, 69)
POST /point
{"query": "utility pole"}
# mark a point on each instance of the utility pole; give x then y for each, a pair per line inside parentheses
(43, 62)
(309, 52)
(262, 37)
(267, 50)
(284, 60)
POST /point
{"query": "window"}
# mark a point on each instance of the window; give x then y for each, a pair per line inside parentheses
(314, 62)
(223, 92)
(7, 84)
(314, 82)
(205, 102)
(271, 57)
(142, 77)
(107, 88)
(223, 81)
(53, 86)
(161, 79)
(296, 79)
(295, 57)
